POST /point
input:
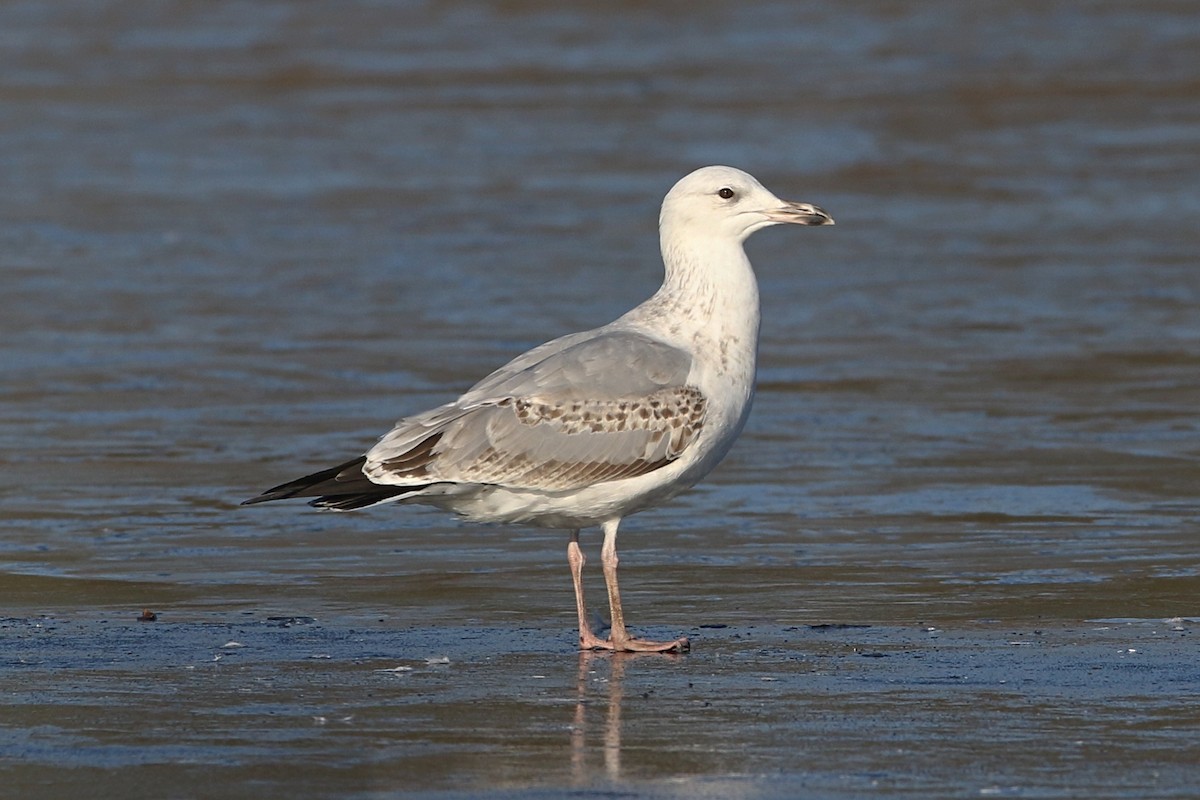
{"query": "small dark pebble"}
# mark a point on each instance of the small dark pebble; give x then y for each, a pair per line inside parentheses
(836, 626)
(287, 622)
(714, 625)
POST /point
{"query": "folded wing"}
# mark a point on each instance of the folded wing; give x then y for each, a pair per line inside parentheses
(574, 412)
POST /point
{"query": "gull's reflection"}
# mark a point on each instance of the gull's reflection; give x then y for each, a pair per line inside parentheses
(600, 683)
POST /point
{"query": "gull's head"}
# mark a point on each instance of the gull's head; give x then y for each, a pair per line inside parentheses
(730, 203)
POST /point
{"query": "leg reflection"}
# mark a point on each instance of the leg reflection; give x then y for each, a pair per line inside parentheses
(579, 724)
(612, 720)
(601, 678)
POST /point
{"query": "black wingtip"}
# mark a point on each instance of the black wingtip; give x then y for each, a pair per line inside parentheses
(340, 488)
(353, 502)
(346, 477)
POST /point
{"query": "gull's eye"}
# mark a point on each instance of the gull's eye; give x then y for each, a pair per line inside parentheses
(725, 193)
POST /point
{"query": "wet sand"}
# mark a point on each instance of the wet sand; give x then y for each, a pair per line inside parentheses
(246, 705)
(954, 553)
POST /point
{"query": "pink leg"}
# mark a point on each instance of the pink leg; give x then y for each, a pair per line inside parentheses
(575, 557)
(620, 638)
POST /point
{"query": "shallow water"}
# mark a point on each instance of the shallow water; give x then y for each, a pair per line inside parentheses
(954, 553)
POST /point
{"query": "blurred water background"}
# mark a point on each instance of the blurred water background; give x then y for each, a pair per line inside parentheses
(239, 239)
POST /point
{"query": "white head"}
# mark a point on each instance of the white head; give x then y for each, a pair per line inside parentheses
(730, 204)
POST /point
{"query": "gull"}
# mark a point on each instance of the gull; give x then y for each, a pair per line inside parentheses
(591, 427)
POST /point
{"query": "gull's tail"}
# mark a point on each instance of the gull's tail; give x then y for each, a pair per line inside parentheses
(341, 488)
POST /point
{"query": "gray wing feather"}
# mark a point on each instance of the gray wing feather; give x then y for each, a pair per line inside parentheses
(587, 366)
(576, 411)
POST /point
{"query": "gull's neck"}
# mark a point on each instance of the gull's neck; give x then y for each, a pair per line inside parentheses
(708, 293)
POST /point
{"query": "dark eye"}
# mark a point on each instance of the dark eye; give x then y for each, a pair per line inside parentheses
(725, 193)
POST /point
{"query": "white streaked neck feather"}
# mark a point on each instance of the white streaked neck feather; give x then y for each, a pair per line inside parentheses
(709, 290)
